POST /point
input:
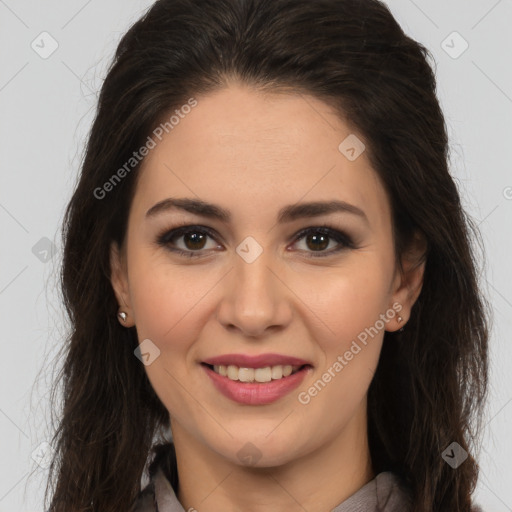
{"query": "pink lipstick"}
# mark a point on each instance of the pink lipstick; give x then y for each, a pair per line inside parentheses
(256, 380)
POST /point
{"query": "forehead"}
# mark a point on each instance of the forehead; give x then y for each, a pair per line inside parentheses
(248, 151)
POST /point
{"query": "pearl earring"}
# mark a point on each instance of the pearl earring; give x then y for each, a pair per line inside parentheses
(399, 319)
(122, 315)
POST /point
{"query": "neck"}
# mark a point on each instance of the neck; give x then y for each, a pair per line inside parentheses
(317, 481)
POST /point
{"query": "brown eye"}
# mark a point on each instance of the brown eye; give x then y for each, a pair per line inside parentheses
(318, 239)
(194, 240)
(187, 240)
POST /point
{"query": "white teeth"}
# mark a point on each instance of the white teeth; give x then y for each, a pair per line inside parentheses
(277, 372)
(246, 375)
(255, 374)
(232, 372)
(263, 374)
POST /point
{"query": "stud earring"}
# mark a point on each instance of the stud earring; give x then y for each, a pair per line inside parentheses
(399, 319)
(122, 315)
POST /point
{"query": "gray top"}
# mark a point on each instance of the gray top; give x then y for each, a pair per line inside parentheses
(382, 494)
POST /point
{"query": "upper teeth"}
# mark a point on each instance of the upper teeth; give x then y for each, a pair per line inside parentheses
(255, 374)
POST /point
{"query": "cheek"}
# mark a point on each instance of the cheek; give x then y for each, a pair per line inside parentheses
(336, 305)
(343, 302)
(167, 301)
(346, 307)
(170, 305)
(349, 304)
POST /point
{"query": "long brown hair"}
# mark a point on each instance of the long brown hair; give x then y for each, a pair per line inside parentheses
(430, 386)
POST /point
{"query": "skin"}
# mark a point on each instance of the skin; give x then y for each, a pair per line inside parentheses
(253, 154)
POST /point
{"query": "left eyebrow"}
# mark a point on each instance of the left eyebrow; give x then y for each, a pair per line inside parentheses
(286, 214)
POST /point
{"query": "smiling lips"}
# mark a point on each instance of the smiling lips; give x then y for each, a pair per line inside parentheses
(256, 380)
(265, 374)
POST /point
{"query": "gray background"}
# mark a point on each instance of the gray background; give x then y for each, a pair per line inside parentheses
(46, 107)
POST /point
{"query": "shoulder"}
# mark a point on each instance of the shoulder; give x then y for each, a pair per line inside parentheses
(162, 474)
(385, 493)
(392, 494)
(158, 495)
(146, 501)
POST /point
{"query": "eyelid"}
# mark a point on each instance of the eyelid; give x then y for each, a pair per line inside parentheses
(340, 236)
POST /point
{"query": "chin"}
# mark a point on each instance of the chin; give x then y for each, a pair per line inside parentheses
(259, 451)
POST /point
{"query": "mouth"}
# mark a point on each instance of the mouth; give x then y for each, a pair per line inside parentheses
(259, 380)
(265, 374)
(256, 375)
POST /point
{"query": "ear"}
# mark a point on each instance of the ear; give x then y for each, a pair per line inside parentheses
(408, 280)
(119, 281)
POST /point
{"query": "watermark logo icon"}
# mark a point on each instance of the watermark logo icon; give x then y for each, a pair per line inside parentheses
(249, 250)
(454, 455)
(147, 352)
(44, 45)
(455, 45)
(352, 147)
(44, 250)
(43, 455)
(249, 454)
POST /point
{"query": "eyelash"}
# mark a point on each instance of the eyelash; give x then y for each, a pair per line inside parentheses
(165, 238)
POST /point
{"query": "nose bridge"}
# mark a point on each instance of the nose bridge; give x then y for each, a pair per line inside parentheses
(255, 299)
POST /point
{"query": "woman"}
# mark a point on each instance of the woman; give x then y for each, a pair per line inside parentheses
(269, 274)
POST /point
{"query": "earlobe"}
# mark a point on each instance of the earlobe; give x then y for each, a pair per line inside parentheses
(409, 280)
(119, 281)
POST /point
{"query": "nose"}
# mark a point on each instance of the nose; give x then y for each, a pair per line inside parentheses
(255, 300)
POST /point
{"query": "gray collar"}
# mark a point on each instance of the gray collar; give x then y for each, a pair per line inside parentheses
(384, 493)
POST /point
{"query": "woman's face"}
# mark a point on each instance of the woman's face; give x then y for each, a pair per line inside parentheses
(248, 283)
